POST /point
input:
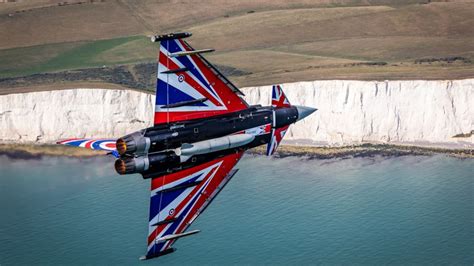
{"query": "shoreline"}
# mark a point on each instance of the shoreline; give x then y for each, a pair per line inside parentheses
(362, 150)
(35, 151)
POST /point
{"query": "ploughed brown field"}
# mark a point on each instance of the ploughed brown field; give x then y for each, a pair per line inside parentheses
(267, 41)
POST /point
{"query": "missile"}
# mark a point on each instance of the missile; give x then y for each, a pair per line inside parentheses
(175, 236)
(207, 146)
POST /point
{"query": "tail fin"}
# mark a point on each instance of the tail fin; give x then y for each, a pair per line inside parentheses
(279, 99)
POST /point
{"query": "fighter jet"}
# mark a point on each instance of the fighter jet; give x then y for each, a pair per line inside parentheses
(202, 127)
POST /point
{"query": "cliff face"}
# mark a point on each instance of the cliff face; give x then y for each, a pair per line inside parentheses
(424, 113)
(48, 116)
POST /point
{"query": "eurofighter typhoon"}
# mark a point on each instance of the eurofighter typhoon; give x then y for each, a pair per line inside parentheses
(201, 129)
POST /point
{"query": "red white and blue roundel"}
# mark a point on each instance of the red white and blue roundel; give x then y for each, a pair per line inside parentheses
(93, 144)
(189, 87)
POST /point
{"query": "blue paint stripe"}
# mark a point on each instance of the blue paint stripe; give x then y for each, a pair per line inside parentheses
(174, 95)
(96, 144)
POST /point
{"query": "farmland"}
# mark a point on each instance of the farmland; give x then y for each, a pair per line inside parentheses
(266, 42)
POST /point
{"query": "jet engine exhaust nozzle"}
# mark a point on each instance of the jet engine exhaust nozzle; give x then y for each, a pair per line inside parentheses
(121, 146)
(126, 166)
(134, 143)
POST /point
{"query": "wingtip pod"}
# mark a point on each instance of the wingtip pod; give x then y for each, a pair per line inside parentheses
(170, 36)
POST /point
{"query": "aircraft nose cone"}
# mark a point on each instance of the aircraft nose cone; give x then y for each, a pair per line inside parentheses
(304, 111)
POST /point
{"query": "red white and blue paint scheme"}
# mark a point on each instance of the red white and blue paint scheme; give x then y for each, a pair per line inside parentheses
(201, 129)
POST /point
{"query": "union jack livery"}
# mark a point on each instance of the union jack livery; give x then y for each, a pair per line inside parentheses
(201, 129)
(188, 87)
(279, 99)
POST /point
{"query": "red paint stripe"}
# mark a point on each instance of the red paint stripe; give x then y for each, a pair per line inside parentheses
(89, 144)
(268, 128)
(230, 99)
(111, 145)
(185, 46)
(67, 140)
(162, 117)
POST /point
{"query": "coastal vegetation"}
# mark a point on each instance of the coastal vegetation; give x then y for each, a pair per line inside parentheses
(56, 57)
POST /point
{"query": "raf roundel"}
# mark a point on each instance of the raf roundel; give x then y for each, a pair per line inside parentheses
(181, 78)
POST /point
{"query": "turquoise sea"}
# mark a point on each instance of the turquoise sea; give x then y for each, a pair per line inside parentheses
(380, 210)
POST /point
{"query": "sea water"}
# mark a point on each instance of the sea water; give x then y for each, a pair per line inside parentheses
(379, 210)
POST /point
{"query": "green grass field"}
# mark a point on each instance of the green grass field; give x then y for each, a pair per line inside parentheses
(65, 56)
(273, 41)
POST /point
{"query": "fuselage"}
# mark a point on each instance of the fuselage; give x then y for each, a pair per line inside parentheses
(159, 150)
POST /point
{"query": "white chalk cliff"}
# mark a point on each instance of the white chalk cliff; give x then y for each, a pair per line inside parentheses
(48, 116)
(422, 113)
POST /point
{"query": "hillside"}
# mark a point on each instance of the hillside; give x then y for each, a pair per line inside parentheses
(269, 41)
